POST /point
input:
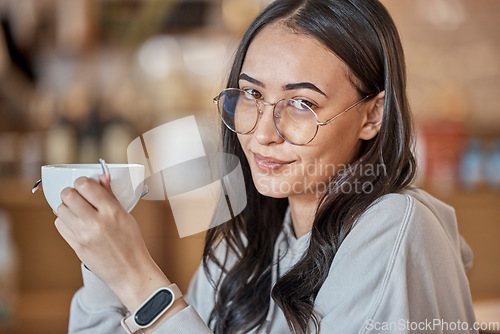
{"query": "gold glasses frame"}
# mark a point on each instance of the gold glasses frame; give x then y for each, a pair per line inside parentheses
(259, 103)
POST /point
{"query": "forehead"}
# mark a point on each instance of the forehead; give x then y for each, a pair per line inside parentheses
(280, 55)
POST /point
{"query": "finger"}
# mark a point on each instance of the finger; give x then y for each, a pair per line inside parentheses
(105, 169)
(78, 205)
(95, 194)
(70, 221)
(68, 235)
(65, 232)
(64, 213)
(104, 181)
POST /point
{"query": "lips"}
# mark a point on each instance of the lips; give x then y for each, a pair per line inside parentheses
(269, 163)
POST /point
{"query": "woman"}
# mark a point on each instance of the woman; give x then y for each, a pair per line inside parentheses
(333, 239)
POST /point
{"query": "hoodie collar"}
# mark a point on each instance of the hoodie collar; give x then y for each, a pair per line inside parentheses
(296, 246)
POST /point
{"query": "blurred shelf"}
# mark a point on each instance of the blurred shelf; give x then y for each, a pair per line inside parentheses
(473, 199)
(488, 312)
(16, 193)
(42, 312)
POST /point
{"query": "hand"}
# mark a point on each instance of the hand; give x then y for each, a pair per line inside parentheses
(107, 240)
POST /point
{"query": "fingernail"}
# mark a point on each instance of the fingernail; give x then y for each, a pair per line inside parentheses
(36, 186)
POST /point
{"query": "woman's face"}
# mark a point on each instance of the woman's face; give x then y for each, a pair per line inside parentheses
(283, 64)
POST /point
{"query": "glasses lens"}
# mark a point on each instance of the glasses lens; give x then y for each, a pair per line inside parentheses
(238, 110)
(295, 121)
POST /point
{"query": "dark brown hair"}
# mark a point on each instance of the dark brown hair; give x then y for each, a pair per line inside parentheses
(363, 35)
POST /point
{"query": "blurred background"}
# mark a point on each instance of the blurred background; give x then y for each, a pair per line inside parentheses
(80, 79)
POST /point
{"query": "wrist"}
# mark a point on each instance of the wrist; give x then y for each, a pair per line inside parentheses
(177, 306)
(138, 285)
(159, 306)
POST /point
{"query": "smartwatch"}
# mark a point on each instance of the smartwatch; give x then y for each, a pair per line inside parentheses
(153, 308)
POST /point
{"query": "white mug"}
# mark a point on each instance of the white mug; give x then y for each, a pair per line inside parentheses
(127, 181)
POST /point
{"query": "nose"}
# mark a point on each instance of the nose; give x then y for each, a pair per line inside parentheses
(265, 132)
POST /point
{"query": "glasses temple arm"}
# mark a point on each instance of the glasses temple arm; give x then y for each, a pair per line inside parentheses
(328, 121)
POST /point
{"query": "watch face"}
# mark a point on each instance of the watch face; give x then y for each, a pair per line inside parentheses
(154, 307)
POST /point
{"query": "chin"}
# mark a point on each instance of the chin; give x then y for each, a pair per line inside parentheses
(273, 187)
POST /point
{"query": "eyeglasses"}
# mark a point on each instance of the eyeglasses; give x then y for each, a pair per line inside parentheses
(295, 121)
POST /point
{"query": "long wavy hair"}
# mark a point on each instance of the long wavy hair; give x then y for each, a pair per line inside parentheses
(363, 35)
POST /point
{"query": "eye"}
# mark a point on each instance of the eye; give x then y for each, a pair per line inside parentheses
(255, 93)
(304, 102)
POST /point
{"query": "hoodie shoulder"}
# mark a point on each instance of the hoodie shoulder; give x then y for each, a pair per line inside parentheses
(430, 210)
(423, 219)
(403, 258)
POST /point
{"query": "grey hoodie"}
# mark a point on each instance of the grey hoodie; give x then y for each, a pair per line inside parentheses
(401, 269)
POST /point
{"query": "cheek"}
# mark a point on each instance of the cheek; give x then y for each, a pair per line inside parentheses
(335, 145)
(244, 140)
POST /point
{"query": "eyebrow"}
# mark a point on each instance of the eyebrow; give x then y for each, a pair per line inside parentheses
(290, 86)
(306, 85)
(246, 77)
